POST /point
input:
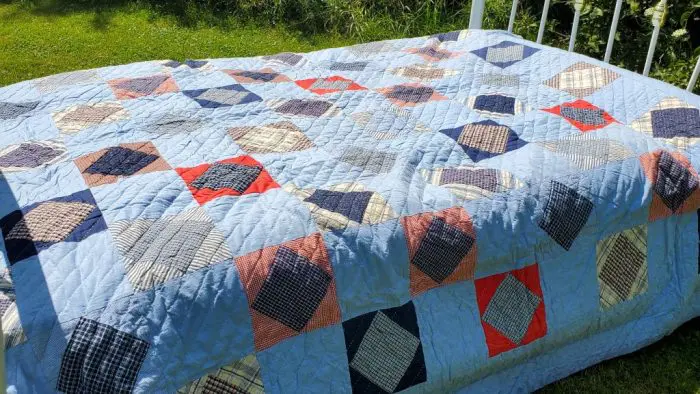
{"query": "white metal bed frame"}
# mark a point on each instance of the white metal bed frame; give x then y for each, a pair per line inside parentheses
(657, 20)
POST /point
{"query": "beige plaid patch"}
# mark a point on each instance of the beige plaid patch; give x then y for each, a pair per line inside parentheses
(275, 137)
(241, 377)
(506, 181)
(621, 262)
(587, 151)
(423, 72)
(487, 138)
(79, 117)
(582, 79)
(51, 221)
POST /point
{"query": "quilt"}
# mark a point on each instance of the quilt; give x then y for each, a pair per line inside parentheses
(465, 212)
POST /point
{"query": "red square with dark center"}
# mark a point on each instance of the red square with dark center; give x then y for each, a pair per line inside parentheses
(674, 184)
(582, 115)
(329, 85)
(441, 247)
(231, 177)
(511, 306)
(290, 288)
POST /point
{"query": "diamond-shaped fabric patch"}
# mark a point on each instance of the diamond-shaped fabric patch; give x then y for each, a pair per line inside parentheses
(389, 122)
(497, 105)
(582, 115)
(100, 359)
(471, 183)
(457, 35)
(433, 53)
(223, 96)
(511, 306)
(157, 250)
(505, 54)
(621, 262)
(587, 151)
(411, 94)
(384, 350)
(423, 72)
(13, 110)
(129, 88)
(485, 139)
(348, 66)
(58, 81)
(293, 289)
(290, 289)
(28, 155)
(288, 58)
(111, 164)
(565, 213)
(442, 248)
(175, 124)
(674, 184)
(305, 107)
(278, 137)
(328, 85)
(38, 226)
(371, 48)
(241, 377)
(377, 162)
(582, 79)
(672, 120)
(257, 76)
(343, 205)
(80, 117)
(231, 177)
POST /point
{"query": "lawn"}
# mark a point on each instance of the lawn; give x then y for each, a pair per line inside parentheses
(37, 41)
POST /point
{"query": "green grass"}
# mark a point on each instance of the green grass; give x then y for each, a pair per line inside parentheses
(36, 42)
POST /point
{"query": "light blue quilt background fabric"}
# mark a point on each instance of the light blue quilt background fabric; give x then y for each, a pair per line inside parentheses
(465, 212)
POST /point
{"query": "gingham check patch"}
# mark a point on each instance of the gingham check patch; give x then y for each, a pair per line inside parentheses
(441, 250)
(100, 359)
(511, 309)
(674, 183)
(240, 377)
(293, 289)
(622, 266)
(565, 214)
(227, 175)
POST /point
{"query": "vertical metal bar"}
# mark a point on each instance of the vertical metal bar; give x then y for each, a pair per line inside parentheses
(657, 19)
(613, 30)
(3, 380)
(513, 11)
(476, 14)
(543, 21)
(694, 77)
(578, 5)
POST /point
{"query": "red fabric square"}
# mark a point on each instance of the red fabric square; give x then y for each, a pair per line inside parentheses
(308, 83)
(583, 105)
(261, 184)
(254, 269)
(415, 228)
(496, 342)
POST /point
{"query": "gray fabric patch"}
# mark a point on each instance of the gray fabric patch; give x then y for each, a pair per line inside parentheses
(511, 309)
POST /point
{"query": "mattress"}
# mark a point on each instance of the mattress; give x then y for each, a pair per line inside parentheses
(468, 211)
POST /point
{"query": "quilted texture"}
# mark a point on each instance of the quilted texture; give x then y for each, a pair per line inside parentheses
(464, 211)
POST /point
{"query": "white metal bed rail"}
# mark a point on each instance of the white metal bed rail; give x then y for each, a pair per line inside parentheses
(657, 20)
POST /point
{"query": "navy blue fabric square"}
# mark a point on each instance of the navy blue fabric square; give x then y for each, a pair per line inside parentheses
(495, 103)
(675, 122)
(351, 204)
(258, 76)
(565, 214)
(441, 250)
(293, 289)
(674, 183)
(100, 359)
(120, 161)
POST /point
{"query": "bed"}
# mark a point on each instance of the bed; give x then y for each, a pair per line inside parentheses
(468, 211)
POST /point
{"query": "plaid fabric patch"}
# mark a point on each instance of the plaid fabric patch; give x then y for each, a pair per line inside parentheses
(622, 266)
(511, 309)
(674, 182)
(112, 164)
(471, 183)
(565, 214)
(32, 154)
(673, 120)
(279, 137)
(582, 115)
(443, 247)
(100, 359)
(582, 79)
(384, 350)
(304, 107)
(588, 151)
(485, 139)
(496, 105)
(411, 94)
(264, 75)
(423, 72)
(370, 160)
(77, 118)
(240, 377)
(14, 110)
(129, 88)
(433, 52)
(505, 54)
(223, 96)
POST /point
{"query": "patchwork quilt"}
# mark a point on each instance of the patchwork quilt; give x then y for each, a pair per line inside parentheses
(466, 211)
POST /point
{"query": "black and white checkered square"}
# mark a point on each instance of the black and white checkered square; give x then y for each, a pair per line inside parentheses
(100, 359)
(227, 176)
(441, 250)
(565, 214)
(511, 309)
(674, 183)
(293, 289)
